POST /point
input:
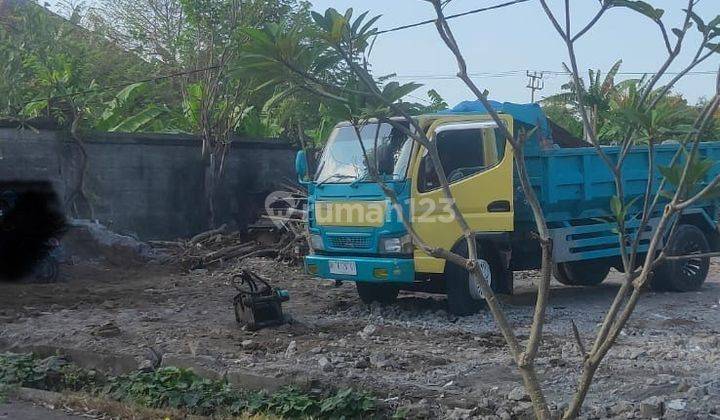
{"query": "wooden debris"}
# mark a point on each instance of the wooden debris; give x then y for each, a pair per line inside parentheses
(285, 239)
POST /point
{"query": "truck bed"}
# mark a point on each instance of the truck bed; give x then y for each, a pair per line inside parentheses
(575, 183)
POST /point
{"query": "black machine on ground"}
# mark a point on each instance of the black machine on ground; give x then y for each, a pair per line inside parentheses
(257, 305)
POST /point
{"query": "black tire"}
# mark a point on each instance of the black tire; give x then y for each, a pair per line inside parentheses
(382, 293)
(559, 273)
(457, 282)
(506, 284)
(683, 275)
(581, 273)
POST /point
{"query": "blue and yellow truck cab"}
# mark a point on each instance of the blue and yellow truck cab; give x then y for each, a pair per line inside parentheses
(357, 235)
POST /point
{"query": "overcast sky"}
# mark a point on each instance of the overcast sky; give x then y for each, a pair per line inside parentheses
(520, 38)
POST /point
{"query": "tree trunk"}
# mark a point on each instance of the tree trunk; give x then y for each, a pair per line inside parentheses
(77, 197)
(210, 189)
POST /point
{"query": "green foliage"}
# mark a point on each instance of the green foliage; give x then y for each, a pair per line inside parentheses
(564, 117)
(437, 103)
(292, 403)
(174, 388)
(394, 91)
(697, 171)
(183, 389)
(596, 97)
(120, 115)
(53, 373)
(142, 119)
(709, 30)
(615, 108)
(44, 55)
(620, 210)
(640, 7)
(350, 37)
(669, 119)
(178, 388)
(329, 65)
(347, 404)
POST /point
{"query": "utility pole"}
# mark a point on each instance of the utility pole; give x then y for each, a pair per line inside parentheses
(535, 83)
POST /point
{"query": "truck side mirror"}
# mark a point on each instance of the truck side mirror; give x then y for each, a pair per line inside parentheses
(301, 166)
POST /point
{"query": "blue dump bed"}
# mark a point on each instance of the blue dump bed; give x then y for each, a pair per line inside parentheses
(575, 183)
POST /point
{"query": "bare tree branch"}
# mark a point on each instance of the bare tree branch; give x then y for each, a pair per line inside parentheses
(578, 340)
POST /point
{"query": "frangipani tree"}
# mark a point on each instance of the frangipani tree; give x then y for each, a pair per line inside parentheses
(335, 67)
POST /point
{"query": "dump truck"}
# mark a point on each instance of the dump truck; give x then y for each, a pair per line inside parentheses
(356, 234)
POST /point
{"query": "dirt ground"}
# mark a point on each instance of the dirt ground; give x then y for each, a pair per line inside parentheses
(666, 363)
(13, 410)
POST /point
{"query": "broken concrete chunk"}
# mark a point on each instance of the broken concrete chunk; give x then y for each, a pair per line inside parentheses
(368, 331)
(678, 404)
(362, 363)
(518, 394)
(291, 349)
(651, 408)
(325, 364)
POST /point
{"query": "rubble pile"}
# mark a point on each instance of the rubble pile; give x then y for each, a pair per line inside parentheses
(88, 240)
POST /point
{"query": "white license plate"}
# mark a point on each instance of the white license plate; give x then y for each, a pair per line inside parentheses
(346, 268)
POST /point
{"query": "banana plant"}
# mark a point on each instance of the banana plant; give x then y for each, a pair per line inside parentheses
(327, 67)
(119, 113)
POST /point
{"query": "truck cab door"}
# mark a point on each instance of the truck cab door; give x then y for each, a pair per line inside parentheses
(479, 167)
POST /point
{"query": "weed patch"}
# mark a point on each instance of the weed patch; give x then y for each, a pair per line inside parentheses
(182, 389)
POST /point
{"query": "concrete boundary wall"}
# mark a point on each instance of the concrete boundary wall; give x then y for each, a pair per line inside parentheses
(150, 185)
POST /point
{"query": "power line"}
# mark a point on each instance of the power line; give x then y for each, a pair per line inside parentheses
(457, 15)
(522, 73)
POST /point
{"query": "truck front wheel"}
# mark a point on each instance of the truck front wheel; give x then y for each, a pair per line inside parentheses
(581, 273)
(377, 292)
(683, 275)
(463, 296)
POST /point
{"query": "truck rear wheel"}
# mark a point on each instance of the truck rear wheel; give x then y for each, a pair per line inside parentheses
(382, 293)
(462, 299)
(683, 275)
(581, 273)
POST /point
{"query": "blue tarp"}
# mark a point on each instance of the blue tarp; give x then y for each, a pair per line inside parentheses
(530, 114)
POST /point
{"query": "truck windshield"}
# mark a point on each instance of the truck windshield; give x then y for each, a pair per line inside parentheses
(343, 160)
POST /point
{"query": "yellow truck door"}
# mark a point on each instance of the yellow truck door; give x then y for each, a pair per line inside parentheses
(479, 166)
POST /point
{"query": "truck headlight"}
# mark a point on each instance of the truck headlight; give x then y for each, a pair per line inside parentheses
(316, 242)
(401, 245)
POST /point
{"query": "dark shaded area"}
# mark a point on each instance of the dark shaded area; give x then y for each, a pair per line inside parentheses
(30, 217)
(37, 123)
(564, 138)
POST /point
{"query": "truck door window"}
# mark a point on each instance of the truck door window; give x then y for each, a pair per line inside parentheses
(463, 153)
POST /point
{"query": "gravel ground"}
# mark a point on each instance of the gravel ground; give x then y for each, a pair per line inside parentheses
(666, 363)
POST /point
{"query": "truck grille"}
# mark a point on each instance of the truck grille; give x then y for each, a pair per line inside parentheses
(350, 242)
